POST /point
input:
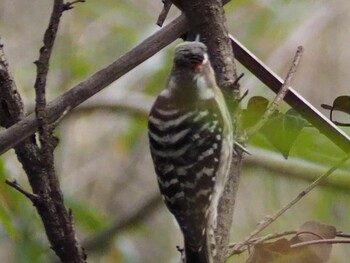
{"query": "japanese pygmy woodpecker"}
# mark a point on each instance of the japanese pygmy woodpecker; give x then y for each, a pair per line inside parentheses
(191, 142)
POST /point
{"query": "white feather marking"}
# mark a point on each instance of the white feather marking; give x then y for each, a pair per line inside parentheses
(205, 171)
(200, 115)
(166, 184)
(169, 138)
(204, 91)
(171, 154)
(175, 197)
(165, 124)
(167, 112)
(205, 154)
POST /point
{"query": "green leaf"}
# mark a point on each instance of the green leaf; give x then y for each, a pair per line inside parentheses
(283, 129)
(255, 109)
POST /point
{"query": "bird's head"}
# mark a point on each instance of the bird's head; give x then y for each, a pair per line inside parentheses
(191, 56)
(192, 76)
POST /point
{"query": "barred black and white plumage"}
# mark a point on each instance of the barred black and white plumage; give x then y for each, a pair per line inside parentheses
(191, 144)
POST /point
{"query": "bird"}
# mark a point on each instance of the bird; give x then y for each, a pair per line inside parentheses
(191, 144)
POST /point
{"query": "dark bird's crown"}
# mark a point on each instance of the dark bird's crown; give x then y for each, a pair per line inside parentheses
(189, 54)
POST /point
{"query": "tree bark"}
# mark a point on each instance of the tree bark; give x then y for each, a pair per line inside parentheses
(38, 163)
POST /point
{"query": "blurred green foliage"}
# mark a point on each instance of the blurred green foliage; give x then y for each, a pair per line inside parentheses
(94, 155)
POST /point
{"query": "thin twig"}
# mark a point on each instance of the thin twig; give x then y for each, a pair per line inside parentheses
(259, 240)
(310, 233)
(164, 13)
(269, 219)
(341, 234)
(280, 95)
(32, 197)
(42, 64)
(321, 241)
(70, 5)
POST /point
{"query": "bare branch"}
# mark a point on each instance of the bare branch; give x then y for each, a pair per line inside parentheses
(32, 197)
(11, 105)
(148, 48)
(321, 241)
(258, 240)
(163, 14)
(95, 83)
(271, 80)
(40, 84)
(38, 163)
(70, 5)
(270, 219)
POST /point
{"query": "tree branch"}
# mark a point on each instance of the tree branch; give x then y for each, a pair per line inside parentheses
(64, 242)
(270, 219)
(32, 197)
(148, 48)
(38, 162)
(293, 98)
(163, 14)
(95, 83)
(11, 104)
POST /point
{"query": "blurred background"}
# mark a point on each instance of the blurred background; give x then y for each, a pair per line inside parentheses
(103, 160)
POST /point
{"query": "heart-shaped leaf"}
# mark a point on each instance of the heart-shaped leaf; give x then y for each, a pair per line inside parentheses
(255, 109)
(281, 130)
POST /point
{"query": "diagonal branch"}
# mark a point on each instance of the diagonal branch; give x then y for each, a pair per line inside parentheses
(95, 83)
(145, 50)
(295, 100)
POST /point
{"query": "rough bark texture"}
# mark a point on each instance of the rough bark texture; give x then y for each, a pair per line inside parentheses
(207, 18)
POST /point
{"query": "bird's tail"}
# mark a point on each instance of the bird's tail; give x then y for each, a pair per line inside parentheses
(198, 255)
